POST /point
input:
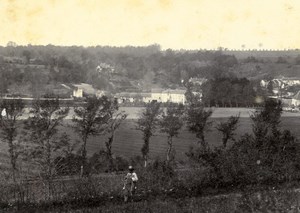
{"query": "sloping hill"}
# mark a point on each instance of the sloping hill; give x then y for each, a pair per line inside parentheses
(256, 70)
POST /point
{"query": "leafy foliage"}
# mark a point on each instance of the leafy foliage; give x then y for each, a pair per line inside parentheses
(68, 164)
(228, 91)
(228, 128)
(270, 155)
(11, 111)
(91, 120)
(100, 163)
(197, 120)
(147, 123)
(115, 119)
(171, 122)
(42, 132)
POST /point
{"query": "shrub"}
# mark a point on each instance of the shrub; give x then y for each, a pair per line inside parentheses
(157, 178)
(268, 156)
(100, 162)
(68, 165)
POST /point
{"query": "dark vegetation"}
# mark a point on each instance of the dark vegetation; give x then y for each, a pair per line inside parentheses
(67, 177)
(268, 157)
(39, 70)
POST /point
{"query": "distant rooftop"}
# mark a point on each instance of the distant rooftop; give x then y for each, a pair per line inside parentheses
(171, 91)
(297, 96)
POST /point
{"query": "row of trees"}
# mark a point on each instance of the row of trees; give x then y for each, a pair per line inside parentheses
(268, 155)
(39, 139)
(174, 117)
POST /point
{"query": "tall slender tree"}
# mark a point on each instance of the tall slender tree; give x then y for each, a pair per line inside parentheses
(227, 129)
(11, 111)
(197, 118)
(170, 123)
(266, 120)
(115, 119)
(91, 120)
(43, 134)
(147, 123)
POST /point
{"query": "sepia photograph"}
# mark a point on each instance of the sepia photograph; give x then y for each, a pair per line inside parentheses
(141, 106)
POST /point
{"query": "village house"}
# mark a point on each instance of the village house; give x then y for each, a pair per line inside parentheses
(296, 100)
(105, 69)
(264, 83)
(281, 82)
(146, 97)
(14, 60)
(159, 95)
(77, 92)
(156, 94)
(175, 96)
(124, 97)
(169, 95)
(80, 89)
(291, 81)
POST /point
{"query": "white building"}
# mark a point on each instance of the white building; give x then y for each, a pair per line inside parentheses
(146, 97)
(169, 95)
(264, 83)
(281, 82)
(127, 97)
(296, 99)
(159, 95)
(80, 89)
(291, 81)
(77, 93)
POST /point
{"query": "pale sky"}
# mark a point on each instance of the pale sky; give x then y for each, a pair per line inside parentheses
(176, 24)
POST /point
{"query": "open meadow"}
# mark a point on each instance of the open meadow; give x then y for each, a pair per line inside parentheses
(128, 140)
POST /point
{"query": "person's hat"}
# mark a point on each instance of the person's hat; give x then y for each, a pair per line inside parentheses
(130, 168)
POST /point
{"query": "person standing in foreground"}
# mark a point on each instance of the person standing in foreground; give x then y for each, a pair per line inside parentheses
(130, 181)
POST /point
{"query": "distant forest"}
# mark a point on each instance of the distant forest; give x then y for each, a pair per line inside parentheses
(29, 69)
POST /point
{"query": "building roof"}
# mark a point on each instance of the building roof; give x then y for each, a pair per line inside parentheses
(175, 91)
(66, 86)
(156, 90)
(87, 88)
(168, 91)
(146, 95)
(290, 78)
(297, 96)
(128, 94)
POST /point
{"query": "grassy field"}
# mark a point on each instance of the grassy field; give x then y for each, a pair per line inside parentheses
(128, 140)
(246, 203)
(128, 143)
(283, 200)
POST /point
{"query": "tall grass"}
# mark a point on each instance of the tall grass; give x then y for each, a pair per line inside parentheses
(247, 202)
